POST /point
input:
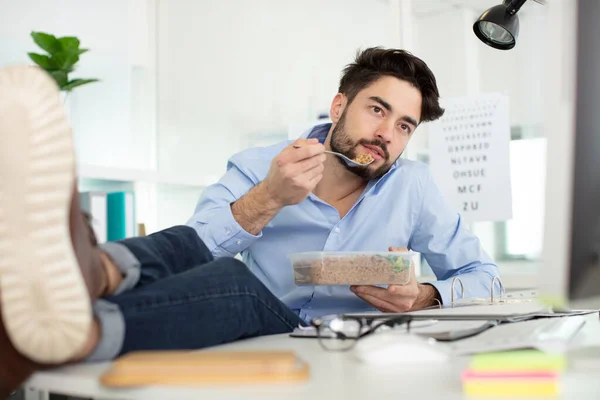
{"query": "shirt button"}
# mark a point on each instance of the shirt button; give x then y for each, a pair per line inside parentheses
(227, 232)
(337, 230)
(239, 242)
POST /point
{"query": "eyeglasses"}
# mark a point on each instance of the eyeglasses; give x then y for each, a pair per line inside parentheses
(341, 332)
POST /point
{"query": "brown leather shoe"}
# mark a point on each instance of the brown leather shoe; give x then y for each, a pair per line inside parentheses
(49, 268)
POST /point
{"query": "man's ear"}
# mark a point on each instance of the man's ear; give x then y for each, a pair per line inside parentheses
(337, 107)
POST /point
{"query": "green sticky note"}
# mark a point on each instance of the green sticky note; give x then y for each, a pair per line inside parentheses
(518, 360)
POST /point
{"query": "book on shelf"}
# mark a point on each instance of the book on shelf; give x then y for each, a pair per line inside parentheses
(94, 203)
(112, 214)
(121, 215)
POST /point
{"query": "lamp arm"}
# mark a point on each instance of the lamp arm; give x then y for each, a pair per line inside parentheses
(512, 6)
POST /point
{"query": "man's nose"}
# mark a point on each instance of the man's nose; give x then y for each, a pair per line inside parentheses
(385, 131)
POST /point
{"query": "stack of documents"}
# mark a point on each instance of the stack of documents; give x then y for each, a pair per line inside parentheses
(498, 311)
(514, 373)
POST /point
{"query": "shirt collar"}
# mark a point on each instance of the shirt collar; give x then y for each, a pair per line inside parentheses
(319, 132)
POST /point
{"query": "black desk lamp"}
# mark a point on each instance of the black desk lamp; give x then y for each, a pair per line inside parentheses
(498, 26)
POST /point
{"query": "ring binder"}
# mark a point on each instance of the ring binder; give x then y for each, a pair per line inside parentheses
(493, 299)
(462, 289)
(492, 288)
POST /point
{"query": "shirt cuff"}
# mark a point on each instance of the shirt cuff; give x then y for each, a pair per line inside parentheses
(445, 290)
(230, 236)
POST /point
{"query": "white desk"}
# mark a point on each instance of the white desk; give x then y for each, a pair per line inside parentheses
(333, 376)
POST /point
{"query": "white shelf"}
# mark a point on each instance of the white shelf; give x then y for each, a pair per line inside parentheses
(115, 174)
(143, 176)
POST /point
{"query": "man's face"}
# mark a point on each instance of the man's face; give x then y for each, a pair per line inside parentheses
(380, 121)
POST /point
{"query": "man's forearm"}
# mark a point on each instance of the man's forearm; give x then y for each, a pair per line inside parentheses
(254, 210)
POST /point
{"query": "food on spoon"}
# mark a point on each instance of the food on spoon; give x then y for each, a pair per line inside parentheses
(363, 158)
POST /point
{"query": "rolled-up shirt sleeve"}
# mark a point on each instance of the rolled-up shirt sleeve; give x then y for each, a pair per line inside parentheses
(450, 248)
(213, 219)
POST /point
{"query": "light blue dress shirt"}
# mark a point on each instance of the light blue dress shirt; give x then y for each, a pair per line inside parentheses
(404, 208)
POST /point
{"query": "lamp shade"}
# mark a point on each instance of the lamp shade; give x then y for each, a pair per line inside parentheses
(497, 28)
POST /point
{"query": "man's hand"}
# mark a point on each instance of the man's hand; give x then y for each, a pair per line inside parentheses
(295, 172)
(293, 175)
(398, 298)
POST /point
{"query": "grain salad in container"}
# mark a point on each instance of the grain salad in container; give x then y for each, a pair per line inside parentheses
(352, 268)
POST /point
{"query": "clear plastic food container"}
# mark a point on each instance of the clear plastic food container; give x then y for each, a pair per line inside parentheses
(352, 268)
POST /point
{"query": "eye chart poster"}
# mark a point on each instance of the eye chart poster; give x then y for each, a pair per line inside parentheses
(469, 156)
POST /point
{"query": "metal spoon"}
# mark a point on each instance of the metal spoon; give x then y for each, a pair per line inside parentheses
(349, 162)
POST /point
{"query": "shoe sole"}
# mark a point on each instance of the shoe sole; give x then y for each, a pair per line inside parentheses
(45, 304)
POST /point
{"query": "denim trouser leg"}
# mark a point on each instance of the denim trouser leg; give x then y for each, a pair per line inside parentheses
(186, 300)
(167, 253)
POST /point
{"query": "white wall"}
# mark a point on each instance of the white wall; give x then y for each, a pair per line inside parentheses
(440, 42)
(519, 72)
(463, 65)
(232, 73)
(232, 69)
(113, 119)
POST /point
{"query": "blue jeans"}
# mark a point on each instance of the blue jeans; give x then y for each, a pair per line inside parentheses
(184, 298)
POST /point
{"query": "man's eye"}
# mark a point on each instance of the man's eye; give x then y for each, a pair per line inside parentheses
(377, 109)
(405, 128)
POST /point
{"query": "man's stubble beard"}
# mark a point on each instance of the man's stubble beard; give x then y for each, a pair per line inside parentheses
(342, 143)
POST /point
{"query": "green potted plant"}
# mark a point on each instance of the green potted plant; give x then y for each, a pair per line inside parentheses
(62, 54)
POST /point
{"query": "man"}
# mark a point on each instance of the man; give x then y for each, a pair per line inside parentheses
(291, 197)
(160, 292)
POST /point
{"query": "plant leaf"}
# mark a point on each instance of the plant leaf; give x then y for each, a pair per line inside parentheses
(60, 77)
(69, 42)
(42, 60)
(65, 59)
(77, 82)
(47, 42)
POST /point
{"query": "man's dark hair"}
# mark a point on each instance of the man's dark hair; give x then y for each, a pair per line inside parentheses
(374, 63)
